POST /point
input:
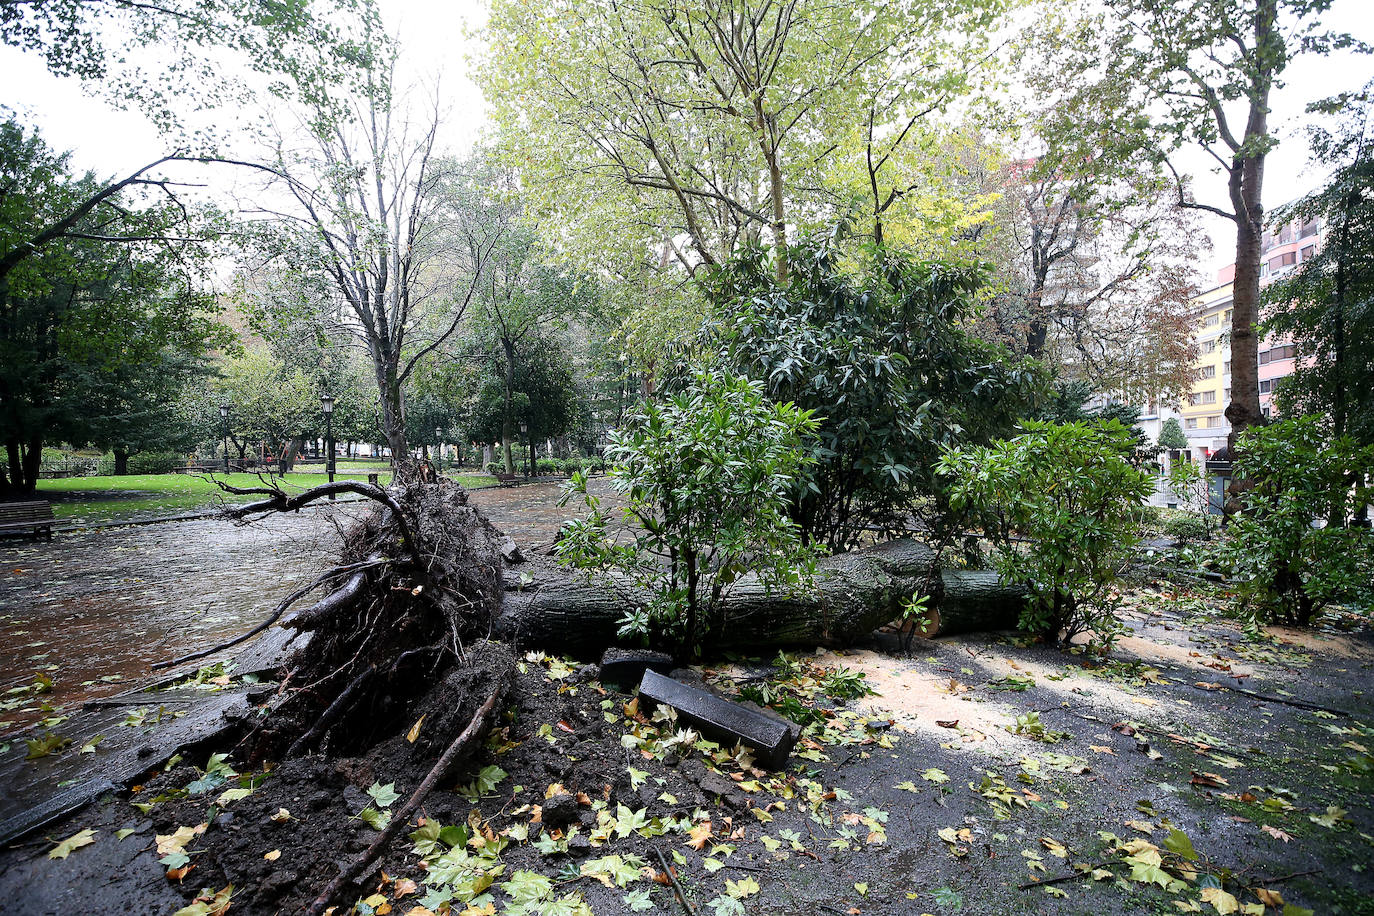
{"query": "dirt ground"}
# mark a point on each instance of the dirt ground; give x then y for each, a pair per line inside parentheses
(982, 775)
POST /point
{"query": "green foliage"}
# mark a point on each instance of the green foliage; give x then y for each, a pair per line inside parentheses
(1171, 435)
(145, 463)
(879, 355)
(1187, 526)
(1326, 305)
(706, 476)
(1067, 490)
(1190, 483)
(97, 332)
(1292, 552)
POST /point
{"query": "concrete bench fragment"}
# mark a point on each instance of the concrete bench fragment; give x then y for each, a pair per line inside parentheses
(623, 668)
(721, 720)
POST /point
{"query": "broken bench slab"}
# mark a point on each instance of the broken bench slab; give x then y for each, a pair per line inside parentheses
(721, 720)
(624, 668)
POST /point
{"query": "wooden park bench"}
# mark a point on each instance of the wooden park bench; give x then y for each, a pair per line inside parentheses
(506, 480)
(34, 516)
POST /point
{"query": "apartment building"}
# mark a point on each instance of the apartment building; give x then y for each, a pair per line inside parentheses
(1203, 412)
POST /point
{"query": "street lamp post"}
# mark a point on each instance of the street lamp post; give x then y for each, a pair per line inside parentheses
(224, 419)
(439, 447)
(529, 449)
(327, 405)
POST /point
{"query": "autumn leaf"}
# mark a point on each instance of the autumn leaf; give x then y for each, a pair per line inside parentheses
(699, 835)
(75, 841)
(1221, 901)
(1276, 833)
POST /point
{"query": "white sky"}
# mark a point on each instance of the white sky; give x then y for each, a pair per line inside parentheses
(432, 34)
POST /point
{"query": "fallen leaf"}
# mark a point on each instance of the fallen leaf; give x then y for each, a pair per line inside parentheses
(699, 835)
(947, 723)
(1223, 902)
(415, 729)
(272, 856)
(75, 841)
(1276, 833)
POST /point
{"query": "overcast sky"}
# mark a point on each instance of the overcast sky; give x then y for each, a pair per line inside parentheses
(432, 34)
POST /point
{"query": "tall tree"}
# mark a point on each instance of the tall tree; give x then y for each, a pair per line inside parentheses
(700, 127)
(1327, 304)
(368, 213)
(119, 297)
(520, 294)
(1205, 71)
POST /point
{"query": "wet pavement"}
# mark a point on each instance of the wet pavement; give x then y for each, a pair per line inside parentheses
(93, 609)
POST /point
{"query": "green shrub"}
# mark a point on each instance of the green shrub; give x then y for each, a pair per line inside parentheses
(1293, 552)
(1067, 501)
(707, 477)
(1187, 526)
(144, 463)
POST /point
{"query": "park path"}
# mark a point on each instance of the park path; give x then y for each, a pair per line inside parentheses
(94, 609)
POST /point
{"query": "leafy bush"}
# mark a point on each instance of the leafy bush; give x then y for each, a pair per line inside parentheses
(1293, 551)
(1070, 491)
(706, 476)
(879, 353)
(1187, 526)
(145, 463)
(1190, 485)
(1171, 435)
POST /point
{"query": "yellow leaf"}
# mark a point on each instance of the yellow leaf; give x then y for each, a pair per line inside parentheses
(75, 841)
(272, 856)
(1223, 902)
(699, 835)
(415, 729)
(1268, 897)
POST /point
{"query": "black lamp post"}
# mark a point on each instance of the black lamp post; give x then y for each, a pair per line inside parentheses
(327, 405)
(529, 449)
(224, 419)
(439, 447)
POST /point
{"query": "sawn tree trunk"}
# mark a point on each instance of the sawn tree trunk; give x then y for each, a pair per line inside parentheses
(549, 607)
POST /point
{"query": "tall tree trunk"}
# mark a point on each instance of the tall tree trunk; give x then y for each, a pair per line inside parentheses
(33, 460)
(121, 467)
(290, 453)
(1246, 188)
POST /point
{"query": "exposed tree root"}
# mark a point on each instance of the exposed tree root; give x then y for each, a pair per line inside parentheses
(474, 732)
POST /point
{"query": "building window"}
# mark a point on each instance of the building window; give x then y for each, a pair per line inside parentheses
(1228, 316)
(1287, 259)
(1285, 235)
(1190, 423)
(1211, 321)
(1207, 372)
(1202, 397)
(1227, 370)
(1309, 252)
(1309, 229)
(1227, 396)
(1209, 346)
(1273, 354)
(1213, 422)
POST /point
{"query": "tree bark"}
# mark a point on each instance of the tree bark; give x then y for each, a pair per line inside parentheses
(1246, 186)
(855, 593)
(121, 465)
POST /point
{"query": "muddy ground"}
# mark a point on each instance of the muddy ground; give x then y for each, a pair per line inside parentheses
(980, 771)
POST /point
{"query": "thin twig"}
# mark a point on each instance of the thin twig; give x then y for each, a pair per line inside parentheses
(681, 894)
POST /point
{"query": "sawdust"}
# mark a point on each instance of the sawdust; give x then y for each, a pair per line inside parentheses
(1326, 643)
(1152, 651)
(918, 698)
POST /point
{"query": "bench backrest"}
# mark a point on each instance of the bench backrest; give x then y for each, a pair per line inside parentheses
(39, 510)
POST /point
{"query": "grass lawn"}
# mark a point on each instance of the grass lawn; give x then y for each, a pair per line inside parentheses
(100, 500)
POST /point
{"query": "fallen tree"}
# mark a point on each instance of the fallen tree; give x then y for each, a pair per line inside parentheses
(550, 607)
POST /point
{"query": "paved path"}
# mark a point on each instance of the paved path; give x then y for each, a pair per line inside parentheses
(94, 609)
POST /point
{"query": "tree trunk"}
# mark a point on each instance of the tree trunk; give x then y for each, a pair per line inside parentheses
(1246, 188)
(121, 467)
(565, 611)
(290, 453)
